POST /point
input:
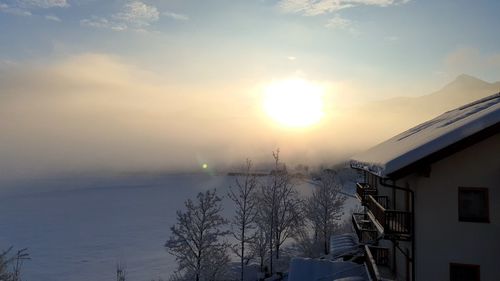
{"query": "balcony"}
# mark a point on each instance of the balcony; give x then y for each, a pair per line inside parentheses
(365, 228)
(396, 224)
(377, 263)
(363, 190)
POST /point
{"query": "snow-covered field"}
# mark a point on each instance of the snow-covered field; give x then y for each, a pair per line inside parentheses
(79, 228)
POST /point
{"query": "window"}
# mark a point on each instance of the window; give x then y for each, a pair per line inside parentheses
(464, 272)
(473, 204)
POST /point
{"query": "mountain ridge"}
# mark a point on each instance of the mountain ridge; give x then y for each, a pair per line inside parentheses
(462, 90)
(383, 119)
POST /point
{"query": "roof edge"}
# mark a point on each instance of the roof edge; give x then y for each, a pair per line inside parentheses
(444, 152)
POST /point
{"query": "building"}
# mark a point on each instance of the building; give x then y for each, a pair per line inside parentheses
(431, 198)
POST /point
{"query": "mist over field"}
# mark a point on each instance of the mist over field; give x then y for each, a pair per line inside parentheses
(96, 113)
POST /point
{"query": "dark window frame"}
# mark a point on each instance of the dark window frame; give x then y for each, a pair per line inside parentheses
(487, 197)
(475, 266)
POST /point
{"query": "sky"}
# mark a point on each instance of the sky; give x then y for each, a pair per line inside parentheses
(123, 84)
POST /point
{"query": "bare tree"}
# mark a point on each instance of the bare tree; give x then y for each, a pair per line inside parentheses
(259, 245)
(16, 261)
(176, 276)
(288, 212)
(325, 208)
(120, 272)
(215, 267)
(243, 223)
(278, 208)
(306, 240)
(197, 236)
(5, 273)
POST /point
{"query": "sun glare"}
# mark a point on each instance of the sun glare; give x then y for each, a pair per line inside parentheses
(294, 103)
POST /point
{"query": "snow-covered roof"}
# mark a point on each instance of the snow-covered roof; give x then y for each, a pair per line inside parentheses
(343, 244)
(429, 137)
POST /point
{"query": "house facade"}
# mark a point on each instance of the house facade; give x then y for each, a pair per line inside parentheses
(431, 198)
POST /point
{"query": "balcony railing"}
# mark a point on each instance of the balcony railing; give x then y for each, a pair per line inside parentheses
(382, 200)
(377, 261)
(394, 222)
(365, 229)
(380, 255)
(363, 190)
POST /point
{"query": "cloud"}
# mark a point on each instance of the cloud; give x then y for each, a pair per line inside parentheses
(52, 18)
(24, 7)
(101, 22)
(138, 13)
(176, 16)
(318, 7)
(45, 4)
(337, 22)
(134, 14)
(14, 10)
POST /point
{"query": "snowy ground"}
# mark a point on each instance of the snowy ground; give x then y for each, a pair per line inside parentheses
(78, 228)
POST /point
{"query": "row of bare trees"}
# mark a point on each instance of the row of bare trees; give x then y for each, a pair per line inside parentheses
(268, 212)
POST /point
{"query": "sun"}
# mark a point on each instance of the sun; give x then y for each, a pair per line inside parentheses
(294, 103)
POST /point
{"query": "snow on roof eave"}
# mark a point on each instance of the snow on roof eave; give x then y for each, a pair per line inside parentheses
(372, 168)
(431, 137)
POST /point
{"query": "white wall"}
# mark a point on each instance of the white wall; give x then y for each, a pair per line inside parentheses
(440, 238)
